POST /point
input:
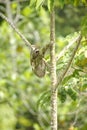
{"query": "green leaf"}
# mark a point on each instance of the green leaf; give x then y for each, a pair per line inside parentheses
(62, 94)
(84, 1)
(84, 26)
(66, 79)
(44, 99)
(27, 11)
(50, 4)
(76, 2)
(72, 93)
(32, 3)
(61, 3)
(84, 87)
(39, 3)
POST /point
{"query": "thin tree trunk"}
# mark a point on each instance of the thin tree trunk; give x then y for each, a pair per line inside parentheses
(53, 73)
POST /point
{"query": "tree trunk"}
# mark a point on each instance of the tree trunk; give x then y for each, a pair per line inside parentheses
(53, 73)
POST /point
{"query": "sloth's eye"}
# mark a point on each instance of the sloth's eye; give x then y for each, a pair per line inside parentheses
(37, 51)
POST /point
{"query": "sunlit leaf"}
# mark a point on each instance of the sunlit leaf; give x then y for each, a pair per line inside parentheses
(76, 2)
(50, 4)
(84, 1)
(32, 3)
(14, 5)
(67, 78)
(44, 99)
(39, 3)
(27, 11)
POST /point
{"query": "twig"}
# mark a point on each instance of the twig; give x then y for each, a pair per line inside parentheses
(18, 1)
(66, 48)
(76, 114)
(2, 1)
(17, 17)
(59, 80)
(27, 43)
(8, 10)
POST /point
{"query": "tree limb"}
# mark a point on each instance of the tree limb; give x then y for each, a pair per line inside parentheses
(8, 10)
(59, 80)
(66, 48)
(17, 16)
(27, 43)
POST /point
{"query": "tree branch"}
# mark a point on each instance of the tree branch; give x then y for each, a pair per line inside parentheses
(66, 48)
(59, 80)
(18, 1)
(17, 16)
(27, 43)
(8, 10)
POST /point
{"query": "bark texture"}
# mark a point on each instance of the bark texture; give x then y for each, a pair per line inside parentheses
(53, 73)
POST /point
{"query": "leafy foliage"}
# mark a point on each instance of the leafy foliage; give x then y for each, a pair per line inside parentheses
(84, 26)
